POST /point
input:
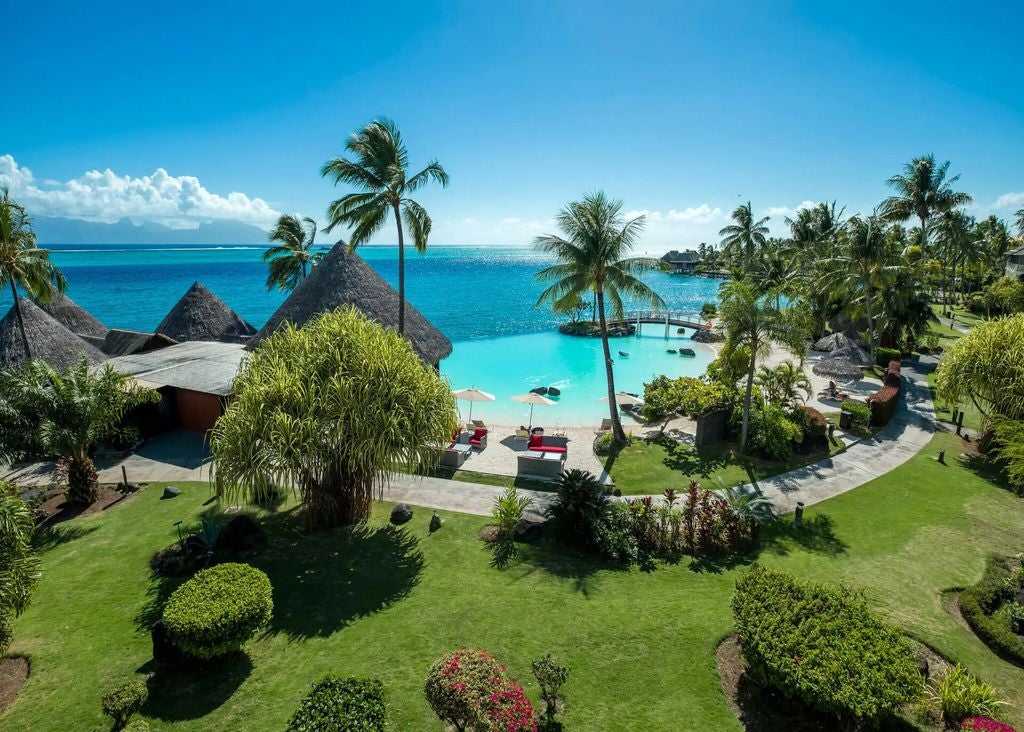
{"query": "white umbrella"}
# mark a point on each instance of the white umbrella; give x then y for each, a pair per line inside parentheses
(623, 399)
(533, 399)
(471, 395)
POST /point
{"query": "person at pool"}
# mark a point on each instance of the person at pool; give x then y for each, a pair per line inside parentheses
(833, 390)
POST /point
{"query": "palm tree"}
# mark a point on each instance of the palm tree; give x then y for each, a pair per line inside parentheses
(592, 258)
(813, 236)
(380, 171)
(784, 384)
(750, 320)
(1019, 213)
(743, 239)
(19, 563)
(289, 262)
(22, 263)
(922, 190)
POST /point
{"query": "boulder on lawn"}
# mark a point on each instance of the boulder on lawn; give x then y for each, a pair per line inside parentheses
(529, 528)
(171, 491)
(401, 514)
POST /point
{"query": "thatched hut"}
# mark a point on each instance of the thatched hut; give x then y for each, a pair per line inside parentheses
(121, 342)
(202, 316)
(48, 340)
(74, 317)
(343, 278)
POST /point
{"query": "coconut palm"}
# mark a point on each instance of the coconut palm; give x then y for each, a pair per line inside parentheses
(19, 564)
(813, 234)
(785, 384)
(22, 263)
(958, 244)
(381, 173)
(922, 190)
(72, 410)
(750, 320)
(744, 238)
(290, 261)
(592, 257)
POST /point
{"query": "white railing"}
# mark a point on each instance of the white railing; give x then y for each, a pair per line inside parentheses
(660, 316)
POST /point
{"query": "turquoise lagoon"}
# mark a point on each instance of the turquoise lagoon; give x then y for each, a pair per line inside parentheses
(482, 298)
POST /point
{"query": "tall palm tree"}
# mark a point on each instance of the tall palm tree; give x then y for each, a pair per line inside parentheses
(923, 190)
(1019, 213)
(591, 257)
(743, 239)
(289, 262)
(22, 263)
(380, 172)
(750, 320)
(813, 234)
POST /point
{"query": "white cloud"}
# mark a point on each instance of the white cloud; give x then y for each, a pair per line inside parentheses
(1009, 200)
(784, 211)
(180, 202)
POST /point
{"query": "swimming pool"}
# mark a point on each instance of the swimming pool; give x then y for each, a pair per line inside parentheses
(509, 365)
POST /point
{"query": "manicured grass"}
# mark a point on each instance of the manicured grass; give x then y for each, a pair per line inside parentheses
(947, 337)
(650, 466)
(384, 602)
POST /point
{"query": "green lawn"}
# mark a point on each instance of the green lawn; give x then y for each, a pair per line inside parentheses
(648, 466)
(384, 602)
(947, 337)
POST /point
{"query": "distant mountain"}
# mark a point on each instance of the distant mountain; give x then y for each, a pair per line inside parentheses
(57, 230)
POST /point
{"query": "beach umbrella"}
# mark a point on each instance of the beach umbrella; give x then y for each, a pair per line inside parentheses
(533, 399)
(852, 352)
(471, 395)
(623, 399)
(838, 368)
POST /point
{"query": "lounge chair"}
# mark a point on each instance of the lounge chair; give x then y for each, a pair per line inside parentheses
(551, 444)
(452, 457)
(479, 439)
(478, 424)
(827, 395)
(606, 425)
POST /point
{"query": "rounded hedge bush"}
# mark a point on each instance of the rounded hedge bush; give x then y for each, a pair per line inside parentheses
(218, 610)
(468, 689)
(341, 705)
(121, 702)
(980, 604)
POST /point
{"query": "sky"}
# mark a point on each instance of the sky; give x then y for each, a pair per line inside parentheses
(184, 112)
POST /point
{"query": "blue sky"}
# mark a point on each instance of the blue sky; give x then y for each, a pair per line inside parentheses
(688, 108)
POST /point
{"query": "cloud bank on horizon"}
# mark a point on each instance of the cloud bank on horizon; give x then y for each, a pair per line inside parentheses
(182, 202)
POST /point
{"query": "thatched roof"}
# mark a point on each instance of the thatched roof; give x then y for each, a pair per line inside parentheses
(202, 316)
(343, 278)
(833, 341)
(838, 368)
(48, 340)
(126, 342)
(73, 316)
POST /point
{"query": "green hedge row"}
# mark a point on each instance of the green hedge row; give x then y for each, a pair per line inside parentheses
(821, 645)
(341, 705)
(979, 601)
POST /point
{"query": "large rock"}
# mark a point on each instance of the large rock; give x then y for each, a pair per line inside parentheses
(401, 514)
(171, 491)
(708, 335)
(529, 527)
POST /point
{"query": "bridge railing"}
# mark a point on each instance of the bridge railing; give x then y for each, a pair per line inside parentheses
(660, 315)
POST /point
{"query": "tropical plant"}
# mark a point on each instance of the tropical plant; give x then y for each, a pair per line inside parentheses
(336, 704)
(19, 563)
(1009, 446)
(550, 678)
(750, 321)
(380, 172)
(574, 308)
(813, 236)
(742, 239)
(469, 690)
(22, 263)
(772, 432)
(959, 694)
(580, 505)
(749, 509)
(506, 514)
(591, 257)
(71, 411)
(986, 367)
(923, 190)
(784, 384)
(124, 700)
(290, 261)
(333, 408)
(1019, 215)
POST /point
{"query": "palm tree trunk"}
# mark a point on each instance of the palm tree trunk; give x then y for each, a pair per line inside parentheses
(618, 434)
(871, 321)
(401, 270)
(746, 399)
(21, 320)
(924, 234)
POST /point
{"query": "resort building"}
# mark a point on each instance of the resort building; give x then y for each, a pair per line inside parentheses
(75, 318)
(343, 278)
(684, 262)
(1015, 262)
(202, 316)
(126, 342)
(48, 340)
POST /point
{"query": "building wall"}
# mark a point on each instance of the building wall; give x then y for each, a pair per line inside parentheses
(196, 411)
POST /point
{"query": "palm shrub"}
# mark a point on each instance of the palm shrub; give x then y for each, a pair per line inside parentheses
(822, 646)
(506, 514)
(469, 690)
(772, 433)
(218, 610)
(124, 700)
(959, 694)
(71, 411)
(333, 408)
(580, 506)
(19, 563)
(336, 704)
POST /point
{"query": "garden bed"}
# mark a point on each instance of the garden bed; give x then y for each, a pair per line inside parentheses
(56, 508)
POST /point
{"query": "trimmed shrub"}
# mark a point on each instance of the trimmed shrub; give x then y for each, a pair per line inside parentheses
(137, 725)
(959, 694)
(121, 702)
(884, 355)
(860, 413)
(882, 405)
(336, 704)
(979, 602)
(468, 689)
(218, 610)
(821, 645)
(770, 434)
(708, 310)
(550, 677)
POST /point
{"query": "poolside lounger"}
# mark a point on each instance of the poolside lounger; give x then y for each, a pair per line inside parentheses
(606, 425)
(478, 439)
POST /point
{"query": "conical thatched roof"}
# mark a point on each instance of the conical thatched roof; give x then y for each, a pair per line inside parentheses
(48, 340)
(73, 316)
(128, 342)
(833, 341)
(343, 278)
(202, 316)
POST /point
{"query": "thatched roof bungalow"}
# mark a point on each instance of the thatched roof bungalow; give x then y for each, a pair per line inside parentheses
(74, 317)
(48, 340)
(202, 316)
(343, 278)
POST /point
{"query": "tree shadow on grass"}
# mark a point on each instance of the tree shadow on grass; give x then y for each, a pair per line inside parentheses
(989, 470)
(325, 580)
(159, 591)
(720, 563)
(818, 535)
(49, 536)
(181, 694)
(563, 561)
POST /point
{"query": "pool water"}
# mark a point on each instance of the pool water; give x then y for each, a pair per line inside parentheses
(510, 365)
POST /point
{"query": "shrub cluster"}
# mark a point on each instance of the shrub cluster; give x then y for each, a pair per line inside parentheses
(469, 689)
(979, 604)
(336, 704)
(884, 355)
(883, 402)
(124, 700)
(771, 433)
(860, 413)
(959, 695)
(821, 645)
(218, 610)
(689, 395)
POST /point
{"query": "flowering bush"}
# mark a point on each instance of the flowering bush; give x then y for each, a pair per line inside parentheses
(469, 690)
(985, 724)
